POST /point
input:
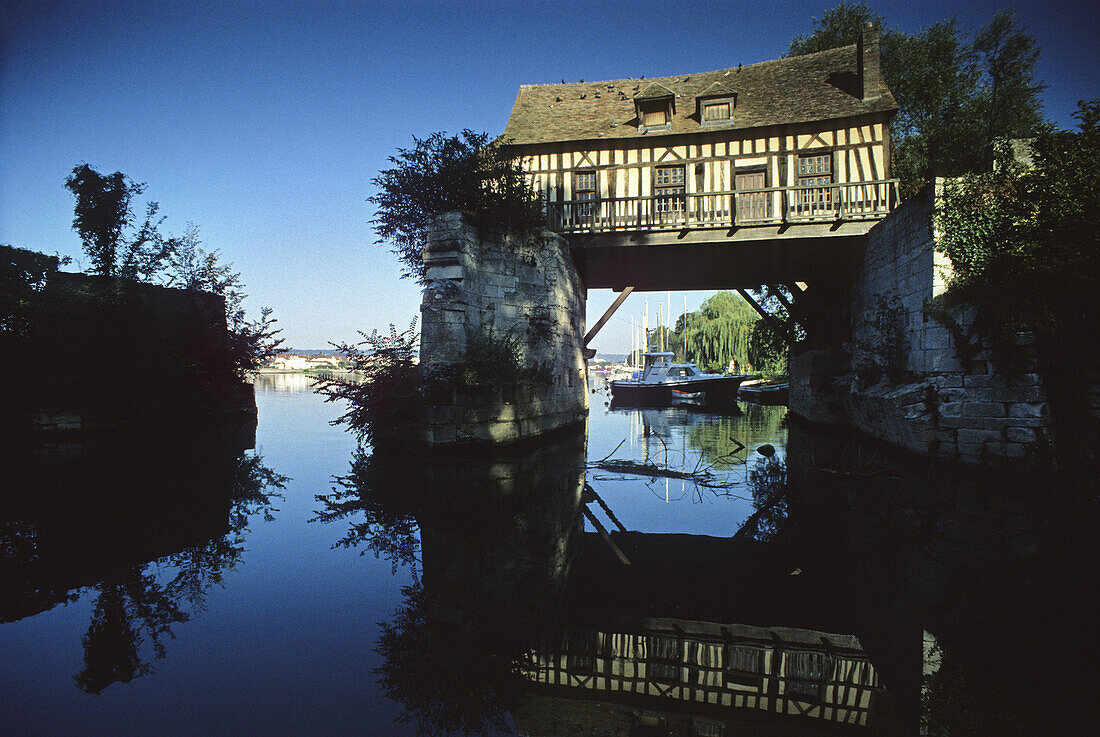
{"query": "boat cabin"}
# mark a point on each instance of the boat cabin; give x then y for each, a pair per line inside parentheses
(658, 367)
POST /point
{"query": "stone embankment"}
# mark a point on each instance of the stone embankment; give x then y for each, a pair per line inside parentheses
(903, 377)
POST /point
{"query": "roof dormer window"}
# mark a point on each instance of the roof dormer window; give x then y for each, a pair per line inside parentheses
(655, 106)
(715, 105)
(654, 115)
(715, 112)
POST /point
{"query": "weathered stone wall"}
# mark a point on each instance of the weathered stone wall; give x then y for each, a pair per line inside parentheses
(500, 288)
(905, 379)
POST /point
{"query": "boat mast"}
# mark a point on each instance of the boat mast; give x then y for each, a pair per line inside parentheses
(633, 338)
(660, 335)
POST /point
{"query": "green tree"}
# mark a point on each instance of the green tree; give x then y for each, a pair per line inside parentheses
(251, 341)
(717, 333)
(768, 347)
(955, 98)
(838, 26)
(383, 407)
(444, 173)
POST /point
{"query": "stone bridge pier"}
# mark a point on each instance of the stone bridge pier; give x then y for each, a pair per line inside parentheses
(502, 336)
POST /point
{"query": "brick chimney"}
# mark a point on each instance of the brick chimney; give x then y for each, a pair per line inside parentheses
(870, 74)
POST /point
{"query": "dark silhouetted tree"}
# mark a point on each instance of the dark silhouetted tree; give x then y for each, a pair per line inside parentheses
(955, 98)
(103, 218)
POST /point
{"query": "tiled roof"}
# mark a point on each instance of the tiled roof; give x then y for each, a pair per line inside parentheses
(819, 86)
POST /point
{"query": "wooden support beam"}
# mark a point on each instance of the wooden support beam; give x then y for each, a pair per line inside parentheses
(819, 307)
(606, 536)
(607, 315)
(611, 515)
(772, 319)
(796, 313)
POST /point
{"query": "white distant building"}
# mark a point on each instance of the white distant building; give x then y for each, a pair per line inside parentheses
(295, 362)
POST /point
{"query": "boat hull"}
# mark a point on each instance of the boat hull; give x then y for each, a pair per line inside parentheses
(777, 394)
(719, 392)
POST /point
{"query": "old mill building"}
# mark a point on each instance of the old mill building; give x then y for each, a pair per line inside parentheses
(783, 150)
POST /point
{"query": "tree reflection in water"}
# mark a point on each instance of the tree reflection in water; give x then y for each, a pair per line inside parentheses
(133, 608)
(720, 438)
(150, 527)
(489, 545)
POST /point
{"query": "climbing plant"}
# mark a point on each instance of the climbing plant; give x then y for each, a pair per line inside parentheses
(1023, 242)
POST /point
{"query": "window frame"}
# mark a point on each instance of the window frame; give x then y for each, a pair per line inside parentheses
(820, 200)
(761, 200)
(729, 102)
(587, 209)
(655, 105)
(669, 198)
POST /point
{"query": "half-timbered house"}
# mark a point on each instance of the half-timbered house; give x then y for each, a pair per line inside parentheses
(791, 148)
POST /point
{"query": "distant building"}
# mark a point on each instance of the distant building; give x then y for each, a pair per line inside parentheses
(295, 362)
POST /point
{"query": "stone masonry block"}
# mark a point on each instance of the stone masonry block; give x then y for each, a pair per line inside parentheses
(951, 409)
(1026, 380)
(1020, 434)
(983, 409)
(970, 436)
(986, 380)
(1018, 394)
(1037, 410)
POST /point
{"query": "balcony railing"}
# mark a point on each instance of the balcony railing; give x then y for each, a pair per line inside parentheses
(769, 206)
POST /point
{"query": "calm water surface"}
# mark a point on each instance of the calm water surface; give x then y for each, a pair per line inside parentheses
(272, 580)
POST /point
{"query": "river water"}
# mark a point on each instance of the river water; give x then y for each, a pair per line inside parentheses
(657, 577)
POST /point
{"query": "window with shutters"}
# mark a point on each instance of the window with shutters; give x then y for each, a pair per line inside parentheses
(806, 673)
(655, 114)
(751, 205)
(663, 658)
(744, 665)
(717, 112)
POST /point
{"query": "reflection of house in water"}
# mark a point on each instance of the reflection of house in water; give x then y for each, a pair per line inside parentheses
(704, 675)
(697, 635)
(651, 644)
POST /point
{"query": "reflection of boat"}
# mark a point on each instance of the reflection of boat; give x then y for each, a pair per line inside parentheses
(661, 377)
(685, 397)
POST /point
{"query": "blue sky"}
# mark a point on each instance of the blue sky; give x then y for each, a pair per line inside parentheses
(264, 122)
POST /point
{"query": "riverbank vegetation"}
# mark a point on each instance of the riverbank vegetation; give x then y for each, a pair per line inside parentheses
(1022, 239)
(726, 331)
(382, 407)
(156, 327)
(125, 253)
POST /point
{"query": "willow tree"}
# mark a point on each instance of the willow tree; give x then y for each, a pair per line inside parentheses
(717, 333)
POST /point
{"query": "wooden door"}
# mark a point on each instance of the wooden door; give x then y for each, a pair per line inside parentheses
(754, 205)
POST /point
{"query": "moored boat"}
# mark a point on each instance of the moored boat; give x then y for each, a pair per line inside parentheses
(661, 377)
(764, 393)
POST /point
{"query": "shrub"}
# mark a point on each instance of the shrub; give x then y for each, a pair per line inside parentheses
(382, 408)
(444, 173)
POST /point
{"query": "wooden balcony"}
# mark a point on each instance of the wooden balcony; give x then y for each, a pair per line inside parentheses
(726, 210)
